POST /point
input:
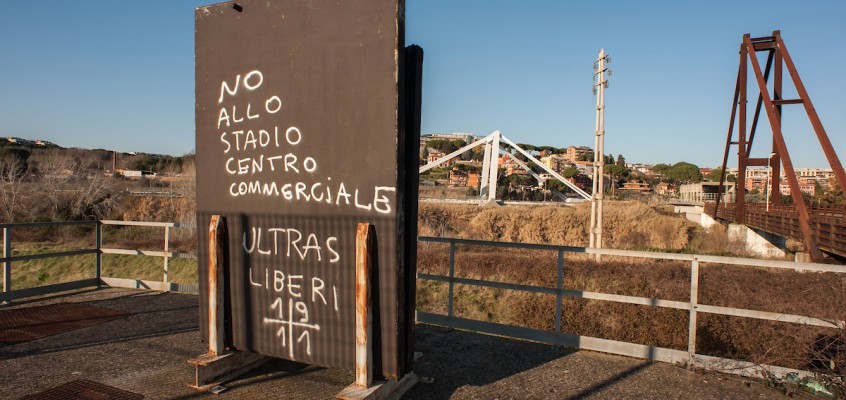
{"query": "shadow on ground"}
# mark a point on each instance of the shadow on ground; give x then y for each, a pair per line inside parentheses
(459, 359)
(147, 352)
(151, 314)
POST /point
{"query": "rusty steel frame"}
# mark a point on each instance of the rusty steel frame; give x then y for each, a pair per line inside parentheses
(364, 254)
(217, 332)
(222, 363)
(777, 59)
(366, 386)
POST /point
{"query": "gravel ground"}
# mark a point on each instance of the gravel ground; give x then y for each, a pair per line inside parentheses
(146, 353)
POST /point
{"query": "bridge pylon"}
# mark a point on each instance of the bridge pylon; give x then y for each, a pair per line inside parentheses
(777, 60)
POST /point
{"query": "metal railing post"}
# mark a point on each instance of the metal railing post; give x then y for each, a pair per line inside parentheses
(166, 241)
(694, 298)
(559, 296)
(98, 245)
(7, 265)
(451, 277)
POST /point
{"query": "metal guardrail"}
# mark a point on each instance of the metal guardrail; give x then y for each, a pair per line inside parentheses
(689, 357)
(9, 294)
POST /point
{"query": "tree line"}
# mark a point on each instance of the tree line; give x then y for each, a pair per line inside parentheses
(56, 184)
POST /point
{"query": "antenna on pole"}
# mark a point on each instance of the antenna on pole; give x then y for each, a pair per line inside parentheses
(600, 83)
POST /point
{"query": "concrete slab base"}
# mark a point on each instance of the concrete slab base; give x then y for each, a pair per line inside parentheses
(802, 257)
(382, 390)
(757, 242)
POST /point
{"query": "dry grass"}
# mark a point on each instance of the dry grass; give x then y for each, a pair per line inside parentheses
(638, 226)
(628, 224)
(819, 295)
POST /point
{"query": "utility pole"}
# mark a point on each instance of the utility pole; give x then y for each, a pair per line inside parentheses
(600, 83)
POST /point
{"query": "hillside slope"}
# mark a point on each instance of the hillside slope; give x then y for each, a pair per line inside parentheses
(627, 224)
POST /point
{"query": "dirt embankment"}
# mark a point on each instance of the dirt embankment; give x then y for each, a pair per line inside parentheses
(626, 224)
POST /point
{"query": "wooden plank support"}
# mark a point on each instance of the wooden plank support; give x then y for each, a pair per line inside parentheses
(364, 386)
(217, 370)
(220, 365)
(384, 390)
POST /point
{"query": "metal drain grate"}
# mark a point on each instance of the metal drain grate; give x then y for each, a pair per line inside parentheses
(84, 389)
(30, 323)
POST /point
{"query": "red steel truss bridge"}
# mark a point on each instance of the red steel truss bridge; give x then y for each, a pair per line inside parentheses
(820, 228)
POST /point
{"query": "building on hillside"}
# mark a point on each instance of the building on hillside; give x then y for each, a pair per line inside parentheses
(466, 137)
(757, 183)
(665, 189)
(135, 174)
(468, 178)
(706, 191)
(424, 139)
(645, 169)
(818, 173)
(576, 152)
(556, 162)
(434, 155)
(585, 167)
(810, 173)
(510, 166)
(809, 188)
(812, 180)
(640, 187)
(761, 173)
(581, 181)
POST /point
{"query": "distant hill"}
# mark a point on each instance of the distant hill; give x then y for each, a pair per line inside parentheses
(100, 160)
(26, 143)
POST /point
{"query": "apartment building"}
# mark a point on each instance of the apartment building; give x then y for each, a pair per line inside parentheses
(469, 178)
(575, 152)
(556, 162)
(434, 155)
(585, 167)
(806, 187)
(641, 187)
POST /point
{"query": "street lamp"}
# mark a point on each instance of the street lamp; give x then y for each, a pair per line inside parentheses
(767, 186)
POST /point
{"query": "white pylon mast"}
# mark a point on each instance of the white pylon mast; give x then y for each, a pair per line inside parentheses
(490, 165)
(600, 83)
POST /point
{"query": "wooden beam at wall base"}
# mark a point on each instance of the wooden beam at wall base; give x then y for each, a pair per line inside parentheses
(380, 390)
(216, 370)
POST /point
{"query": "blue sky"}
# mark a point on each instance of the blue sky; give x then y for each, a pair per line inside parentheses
(119, 75)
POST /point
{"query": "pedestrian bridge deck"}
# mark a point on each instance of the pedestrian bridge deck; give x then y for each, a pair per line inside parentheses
(827, 223)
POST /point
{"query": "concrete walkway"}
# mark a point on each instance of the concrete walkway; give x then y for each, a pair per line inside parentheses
(146, 353)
